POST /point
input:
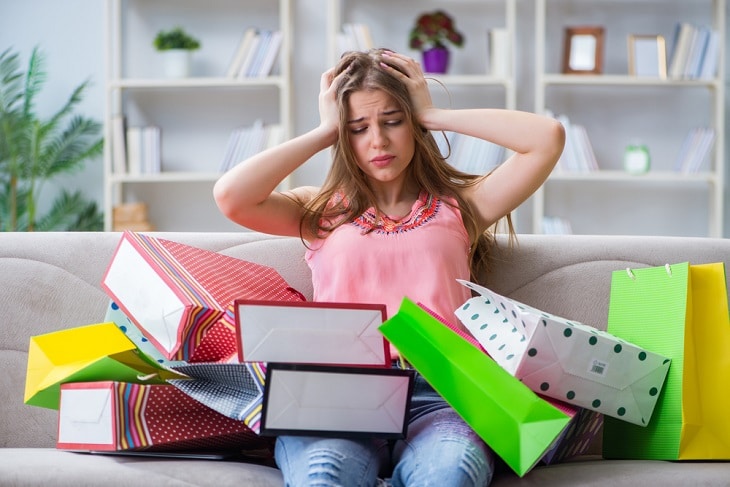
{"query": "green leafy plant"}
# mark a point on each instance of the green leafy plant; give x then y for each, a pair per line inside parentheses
(175, 38)
(34, 151)
(434, 29)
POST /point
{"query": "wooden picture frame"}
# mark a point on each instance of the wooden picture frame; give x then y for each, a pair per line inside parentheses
(647, 56)
(583, 50)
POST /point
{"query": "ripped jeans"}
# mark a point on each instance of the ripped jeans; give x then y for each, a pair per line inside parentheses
(439, 450)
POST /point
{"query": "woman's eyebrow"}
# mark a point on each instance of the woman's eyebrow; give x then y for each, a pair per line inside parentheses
(386, 113)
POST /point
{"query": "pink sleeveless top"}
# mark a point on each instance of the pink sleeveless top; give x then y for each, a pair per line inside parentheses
(419, 257)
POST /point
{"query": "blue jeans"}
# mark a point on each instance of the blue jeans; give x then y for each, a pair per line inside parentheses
(439, 450)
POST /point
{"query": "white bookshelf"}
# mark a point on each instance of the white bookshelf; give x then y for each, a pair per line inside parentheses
(622, 108)
(196, 114)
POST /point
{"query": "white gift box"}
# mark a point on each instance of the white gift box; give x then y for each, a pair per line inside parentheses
(324, 400)
(311, 332)
(565, 359)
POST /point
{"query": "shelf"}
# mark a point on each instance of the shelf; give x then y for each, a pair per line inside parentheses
(624, 177)
(199, 82)
(165, 177)
(470, 80)
(623, 80)
(619, 110)
(195, 119)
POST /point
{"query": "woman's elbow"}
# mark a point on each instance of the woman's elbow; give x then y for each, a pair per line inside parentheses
(223, 196)
(554, 141)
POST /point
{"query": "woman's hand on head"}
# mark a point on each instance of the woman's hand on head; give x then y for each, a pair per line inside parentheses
(410, 73)
(329, 115)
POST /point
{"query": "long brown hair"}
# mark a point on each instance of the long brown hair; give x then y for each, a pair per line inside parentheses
(428, 170)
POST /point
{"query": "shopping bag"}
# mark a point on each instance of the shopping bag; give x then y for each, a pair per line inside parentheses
(318, 333)
(516, 423)
(577, 438)
(565, 359)
(235, 390)
(681, 311)
(120, 416)
(331, 400)
(584, 425)
(175, 293)
(217, 345)
(87, 353)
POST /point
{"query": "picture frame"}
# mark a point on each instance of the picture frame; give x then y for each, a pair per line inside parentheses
(647, 56)
(583, 50)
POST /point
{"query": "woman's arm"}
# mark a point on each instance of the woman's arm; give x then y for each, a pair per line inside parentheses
(535, 140)
(247, 193)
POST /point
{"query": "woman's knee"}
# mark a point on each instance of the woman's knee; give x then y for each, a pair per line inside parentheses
(325, 462)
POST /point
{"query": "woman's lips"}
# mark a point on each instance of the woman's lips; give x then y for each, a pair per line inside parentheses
(381, 161)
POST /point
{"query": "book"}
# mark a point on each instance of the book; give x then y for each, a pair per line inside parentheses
(499, 53)
(708, 67)
(241, 52)
(263, 45)
(134, 150)
(119, 145)
(684, 34)
(250, 55)
(270, 55)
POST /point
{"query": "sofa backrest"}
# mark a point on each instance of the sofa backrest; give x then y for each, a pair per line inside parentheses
(51, 281)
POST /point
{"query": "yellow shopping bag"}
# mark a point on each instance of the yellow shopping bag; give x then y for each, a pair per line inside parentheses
(705, 429)
(84, 354)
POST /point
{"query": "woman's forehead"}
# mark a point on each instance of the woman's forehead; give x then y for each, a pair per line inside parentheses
(368, 101)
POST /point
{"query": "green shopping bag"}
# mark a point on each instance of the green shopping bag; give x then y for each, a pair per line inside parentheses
(517, 424)
(681, 312)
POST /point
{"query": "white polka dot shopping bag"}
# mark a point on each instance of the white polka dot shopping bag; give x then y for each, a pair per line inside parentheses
(565, 359)
(680, 311)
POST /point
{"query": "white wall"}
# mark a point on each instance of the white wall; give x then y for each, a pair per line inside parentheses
(72, 36)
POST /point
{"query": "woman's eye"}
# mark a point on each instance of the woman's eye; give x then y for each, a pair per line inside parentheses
(394, 123)
(358, 130)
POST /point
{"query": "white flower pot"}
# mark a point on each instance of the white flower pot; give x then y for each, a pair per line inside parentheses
(176, 63)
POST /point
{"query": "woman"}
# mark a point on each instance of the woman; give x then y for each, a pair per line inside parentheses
(392, 219)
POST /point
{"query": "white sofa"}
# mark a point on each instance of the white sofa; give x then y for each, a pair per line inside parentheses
(50, 281)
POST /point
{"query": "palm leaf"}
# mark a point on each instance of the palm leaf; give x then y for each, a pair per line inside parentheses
(71, 212)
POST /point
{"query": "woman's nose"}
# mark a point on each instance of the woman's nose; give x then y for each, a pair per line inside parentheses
(378, 137)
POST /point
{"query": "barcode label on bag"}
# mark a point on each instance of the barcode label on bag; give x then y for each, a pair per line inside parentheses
(598, 367)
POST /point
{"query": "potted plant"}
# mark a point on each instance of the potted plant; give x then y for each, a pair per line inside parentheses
(430, 34)
(177, 45)
(34, 151)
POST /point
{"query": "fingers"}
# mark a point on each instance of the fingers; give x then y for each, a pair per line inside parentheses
(407, 66)
(326, 79)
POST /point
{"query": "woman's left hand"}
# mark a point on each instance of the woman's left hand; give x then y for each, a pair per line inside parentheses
(410, 73)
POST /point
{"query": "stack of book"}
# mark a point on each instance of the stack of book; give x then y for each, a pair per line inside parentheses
(694, 153)
(578, 155)
(247, 141)
(135, 149)
(143, 150)
(470, 154)
(695, 52)
(354, 37)
(553, 225)
(256, 54)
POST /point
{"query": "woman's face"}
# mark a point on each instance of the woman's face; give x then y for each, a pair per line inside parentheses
(380, 137)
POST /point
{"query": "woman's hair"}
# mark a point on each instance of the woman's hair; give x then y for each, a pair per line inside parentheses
(346, 194)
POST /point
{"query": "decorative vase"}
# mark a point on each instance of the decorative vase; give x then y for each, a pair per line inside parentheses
(176, 63)
(436, 60)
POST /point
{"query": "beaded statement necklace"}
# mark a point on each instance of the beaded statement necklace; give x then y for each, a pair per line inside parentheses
(424, 209)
